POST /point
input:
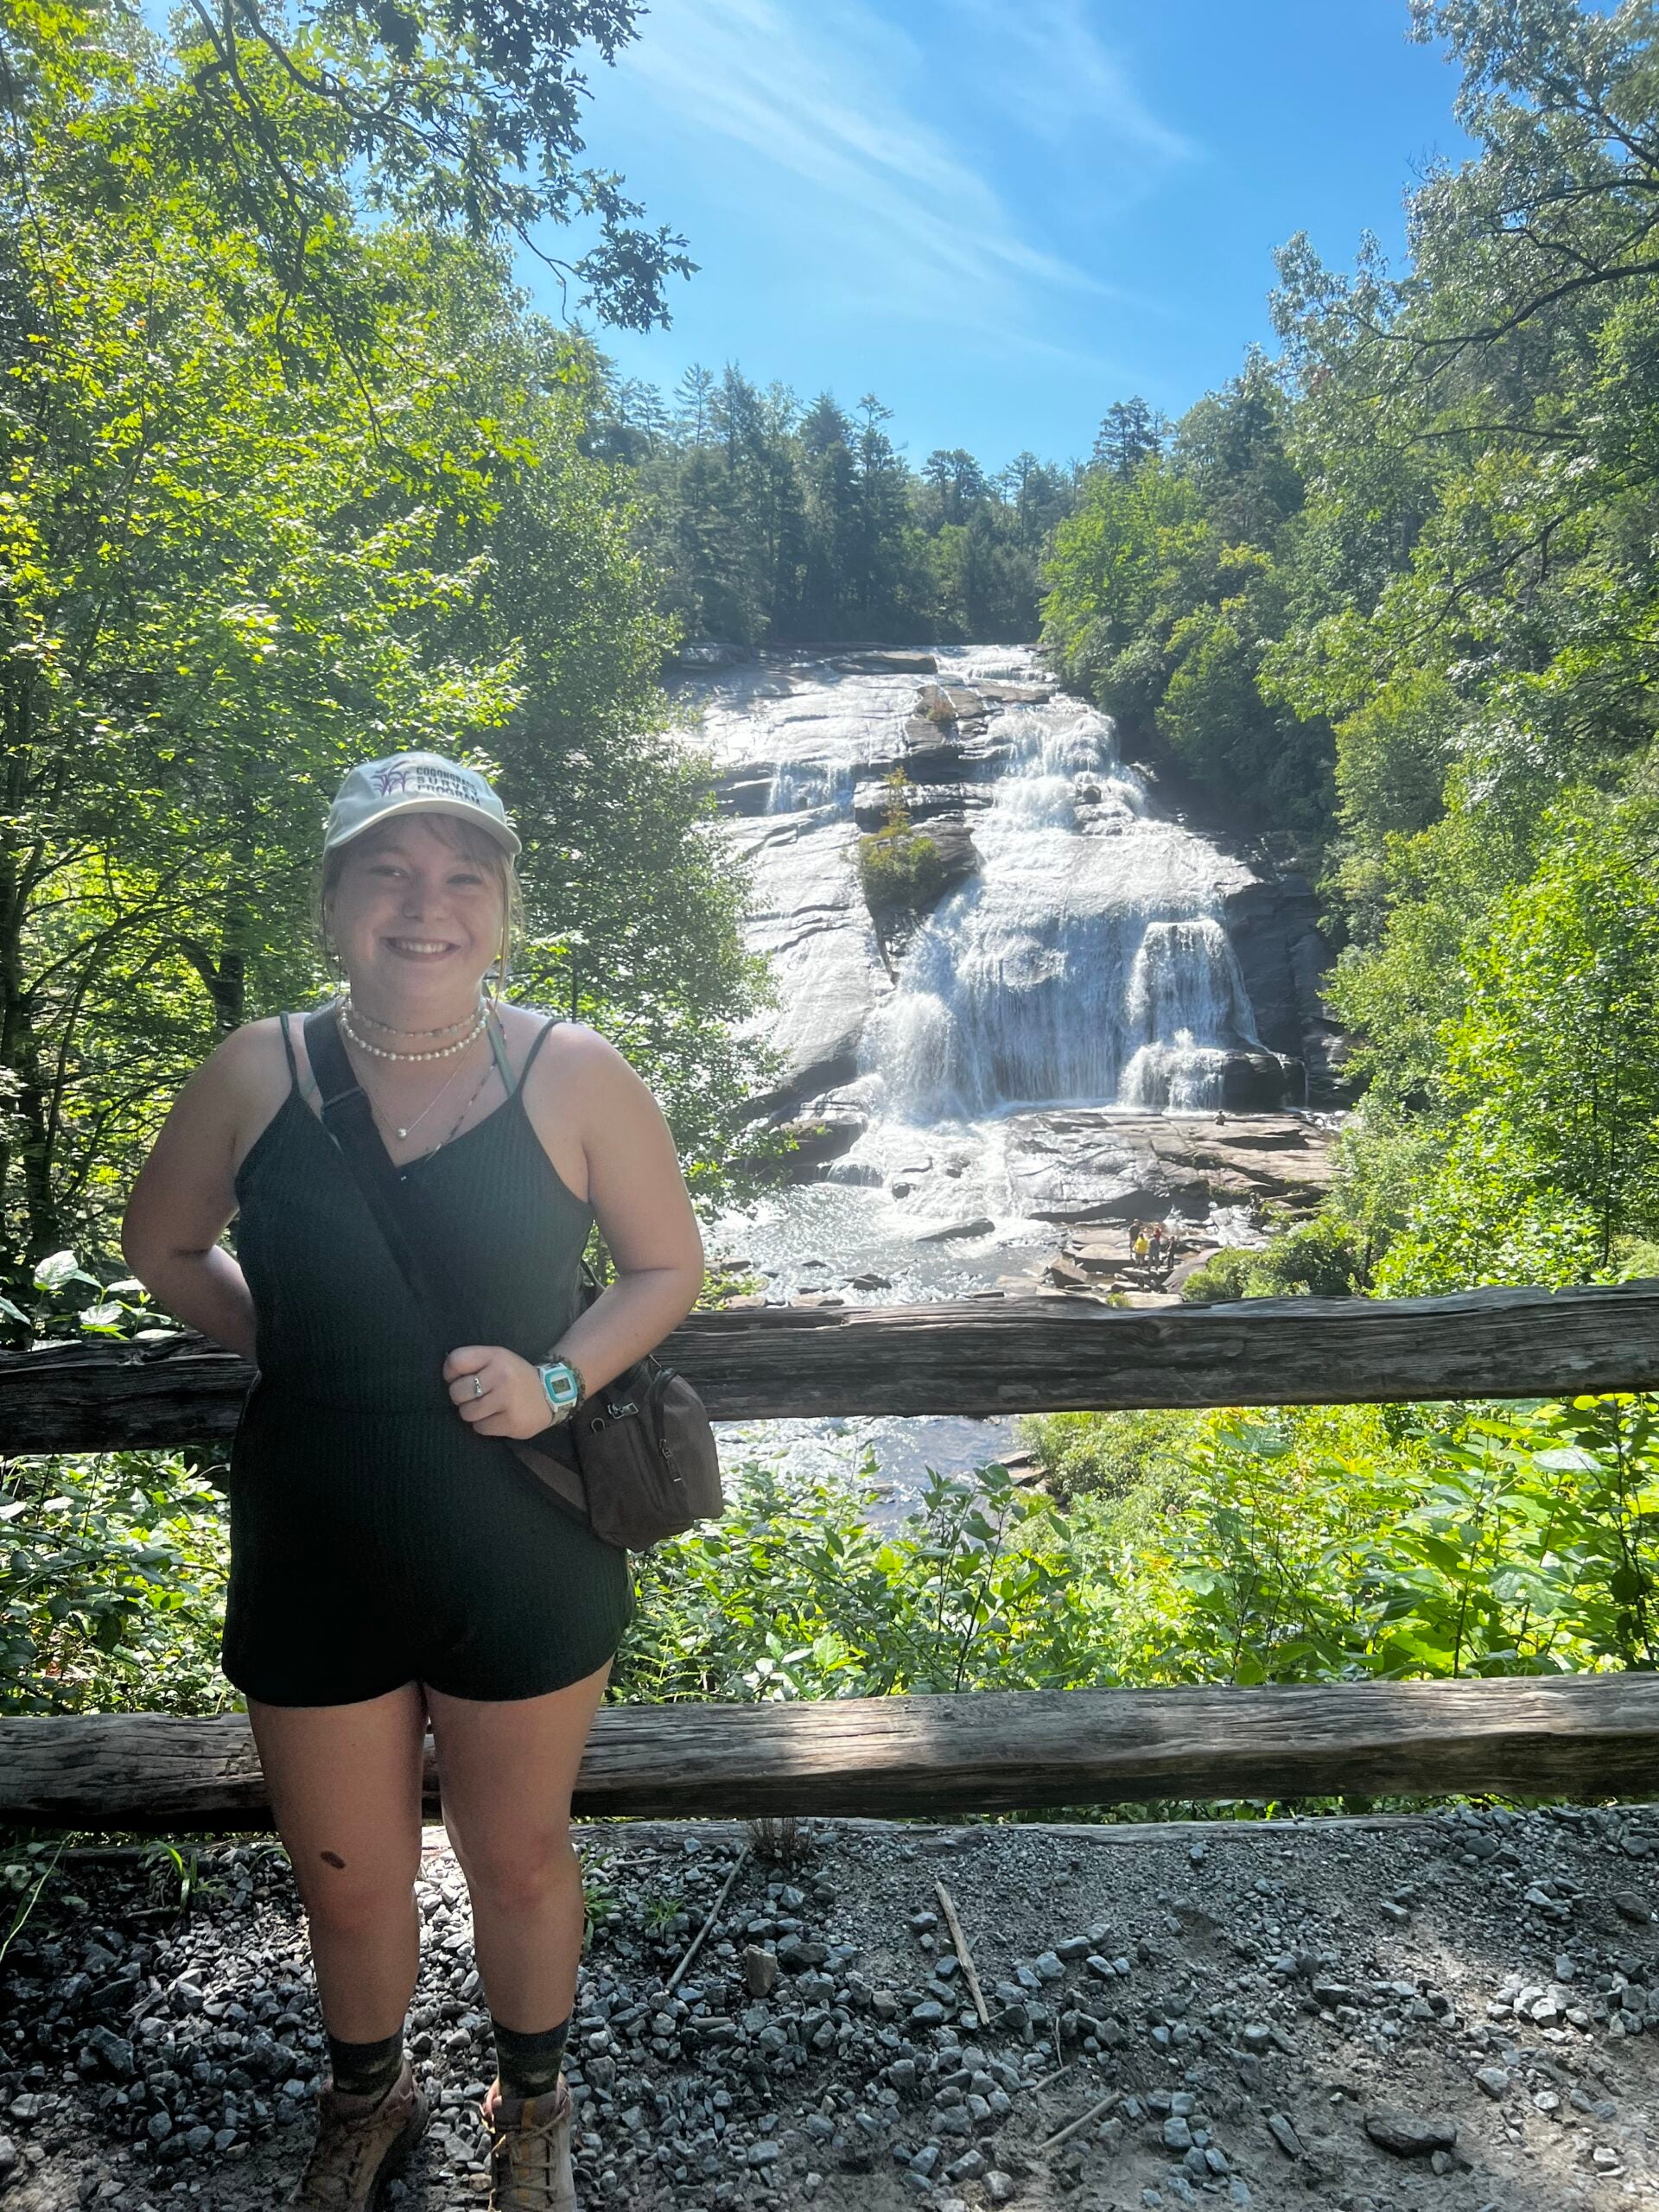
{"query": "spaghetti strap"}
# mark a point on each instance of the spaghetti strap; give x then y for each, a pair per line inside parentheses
(541, 1037)
(498, 1053)
(288, 1046)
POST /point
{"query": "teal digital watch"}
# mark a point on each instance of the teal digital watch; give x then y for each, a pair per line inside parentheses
(562, 1385)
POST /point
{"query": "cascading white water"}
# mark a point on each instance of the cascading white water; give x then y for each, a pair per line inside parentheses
(798, 787)
(1085, 964)
(1188, 1006)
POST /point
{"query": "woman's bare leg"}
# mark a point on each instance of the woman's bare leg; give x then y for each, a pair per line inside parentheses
(507, 1770)
(344, 1782)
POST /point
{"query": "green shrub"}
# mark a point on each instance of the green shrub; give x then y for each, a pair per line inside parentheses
(1325, 1542)
(796, 1593)
(1322, 1258)
(1225, 1276)
(113, 1570)
(1109, 1455)
(900, 869)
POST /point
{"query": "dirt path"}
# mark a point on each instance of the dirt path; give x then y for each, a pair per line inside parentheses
(1435, 2015)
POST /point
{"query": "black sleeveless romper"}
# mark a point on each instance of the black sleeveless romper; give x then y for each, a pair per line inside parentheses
(375, 1540)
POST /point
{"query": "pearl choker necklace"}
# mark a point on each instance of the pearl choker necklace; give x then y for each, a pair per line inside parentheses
(443, 1053)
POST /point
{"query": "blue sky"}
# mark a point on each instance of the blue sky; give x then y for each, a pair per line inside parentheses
(1001, 215)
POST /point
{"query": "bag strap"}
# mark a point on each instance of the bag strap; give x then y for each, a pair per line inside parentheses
(349, 1119)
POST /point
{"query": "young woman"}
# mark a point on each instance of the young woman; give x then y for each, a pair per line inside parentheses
(391, 1567)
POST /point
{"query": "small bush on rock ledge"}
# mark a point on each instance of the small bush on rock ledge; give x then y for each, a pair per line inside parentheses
(902, 871)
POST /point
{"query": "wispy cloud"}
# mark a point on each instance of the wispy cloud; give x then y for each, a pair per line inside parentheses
(1060, 77)
(847, 112)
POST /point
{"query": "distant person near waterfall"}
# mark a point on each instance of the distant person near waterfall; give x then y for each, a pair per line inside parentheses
(390, 1566)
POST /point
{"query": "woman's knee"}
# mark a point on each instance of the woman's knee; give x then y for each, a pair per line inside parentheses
(515, 1876)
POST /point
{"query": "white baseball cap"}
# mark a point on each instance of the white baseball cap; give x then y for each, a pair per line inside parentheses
(416, 783)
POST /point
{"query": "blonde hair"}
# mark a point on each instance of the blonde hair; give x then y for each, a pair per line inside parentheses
(460, 835)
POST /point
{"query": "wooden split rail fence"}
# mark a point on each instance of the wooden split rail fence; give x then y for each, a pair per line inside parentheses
(986, 1752)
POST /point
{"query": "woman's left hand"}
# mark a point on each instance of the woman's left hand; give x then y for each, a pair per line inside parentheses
(496, 1392)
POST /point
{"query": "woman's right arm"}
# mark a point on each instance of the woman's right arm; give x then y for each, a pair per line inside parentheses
(185, 1196)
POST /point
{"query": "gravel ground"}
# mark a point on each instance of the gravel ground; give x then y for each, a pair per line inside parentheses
(1448, 2012)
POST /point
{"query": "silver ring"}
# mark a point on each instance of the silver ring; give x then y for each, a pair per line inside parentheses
(478, 1386)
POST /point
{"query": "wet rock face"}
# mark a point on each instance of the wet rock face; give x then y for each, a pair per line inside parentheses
(808, 913)
(1256, 1083)
(946, 803)
(1275, 934)
(698, 655)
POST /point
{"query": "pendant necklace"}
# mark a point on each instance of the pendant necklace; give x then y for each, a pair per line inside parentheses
(447, 1085)
(405, 1130)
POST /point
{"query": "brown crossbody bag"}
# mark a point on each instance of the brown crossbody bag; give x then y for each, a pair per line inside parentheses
(642, 1463)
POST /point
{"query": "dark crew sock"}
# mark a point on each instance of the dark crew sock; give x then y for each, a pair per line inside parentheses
(365, 2069)
(530, 2065)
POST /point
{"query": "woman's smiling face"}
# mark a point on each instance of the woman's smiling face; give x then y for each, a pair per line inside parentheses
(415, 914)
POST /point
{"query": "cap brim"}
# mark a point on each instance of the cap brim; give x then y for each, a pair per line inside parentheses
(505, 836)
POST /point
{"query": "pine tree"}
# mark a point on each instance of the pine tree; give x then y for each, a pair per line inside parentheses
(1131, 434)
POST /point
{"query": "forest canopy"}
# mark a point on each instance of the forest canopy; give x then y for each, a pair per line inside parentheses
(290, 481)
(293, 470)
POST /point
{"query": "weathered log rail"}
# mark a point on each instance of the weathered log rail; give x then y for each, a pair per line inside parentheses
(986, 1752)
(1022, 1355)
(1585, 1734)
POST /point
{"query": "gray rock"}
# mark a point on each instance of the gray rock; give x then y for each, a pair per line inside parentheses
(114, 2053)
(1284, 2135)
(1495, 2080)
(760, 1970)
(979, 1225)
(1408, 2134)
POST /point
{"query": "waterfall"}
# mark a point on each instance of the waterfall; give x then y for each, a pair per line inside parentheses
(1188, 1008)
(1086, 963)
(963, 1085)
(802, 786)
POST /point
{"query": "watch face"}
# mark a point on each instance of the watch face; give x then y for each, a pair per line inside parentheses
(561, 1384)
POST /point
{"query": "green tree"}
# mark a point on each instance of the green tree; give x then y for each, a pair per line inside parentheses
(1552, 1074)
(239, 549)
(1131, 433)
(439, 112)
